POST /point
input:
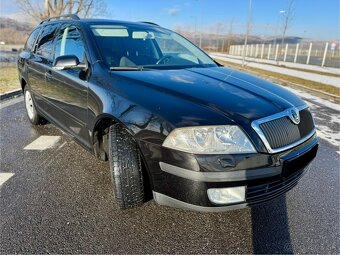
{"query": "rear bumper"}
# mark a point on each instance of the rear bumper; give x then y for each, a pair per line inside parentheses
(182, 180)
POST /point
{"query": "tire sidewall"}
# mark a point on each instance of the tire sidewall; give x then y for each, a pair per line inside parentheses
(35, 118)
(126, 172)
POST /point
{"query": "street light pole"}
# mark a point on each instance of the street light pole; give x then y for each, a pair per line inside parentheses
(283, 12)
(247, 32)
(201, 19)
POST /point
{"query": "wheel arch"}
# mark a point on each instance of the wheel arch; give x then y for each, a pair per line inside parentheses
(100, 134)
(23, 83)
(100, 131)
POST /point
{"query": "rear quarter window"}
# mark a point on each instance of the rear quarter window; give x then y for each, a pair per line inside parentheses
(29, 46)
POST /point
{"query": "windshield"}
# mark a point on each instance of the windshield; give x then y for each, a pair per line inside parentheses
(132, 48)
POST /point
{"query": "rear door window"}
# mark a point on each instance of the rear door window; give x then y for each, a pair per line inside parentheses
(45, 45)
(29, 46)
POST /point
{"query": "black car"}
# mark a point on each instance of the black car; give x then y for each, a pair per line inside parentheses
(171, 121)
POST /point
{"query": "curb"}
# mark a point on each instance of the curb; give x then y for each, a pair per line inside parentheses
(10, 94)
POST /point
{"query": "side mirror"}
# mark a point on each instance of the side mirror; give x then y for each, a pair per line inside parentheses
(68, 62)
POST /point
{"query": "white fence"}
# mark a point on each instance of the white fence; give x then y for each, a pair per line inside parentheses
(327, 54)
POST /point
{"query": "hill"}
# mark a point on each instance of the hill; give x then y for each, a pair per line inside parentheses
(14, 32)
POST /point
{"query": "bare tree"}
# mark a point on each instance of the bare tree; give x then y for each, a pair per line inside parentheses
(219, 26)
(42, 9)
(230, 35)
(288, 16)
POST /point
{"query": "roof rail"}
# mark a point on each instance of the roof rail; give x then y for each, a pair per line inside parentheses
(150, 23)
(71, 16)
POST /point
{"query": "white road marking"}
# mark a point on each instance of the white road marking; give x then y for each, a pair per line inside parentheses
(5, 177)
(43, 142)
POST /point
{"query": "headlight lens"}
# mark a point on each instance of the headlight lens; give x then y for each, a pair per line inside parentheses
(209, 140)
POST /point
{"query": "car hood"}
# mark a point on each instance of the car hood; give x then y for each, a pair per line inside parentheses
(221, 89)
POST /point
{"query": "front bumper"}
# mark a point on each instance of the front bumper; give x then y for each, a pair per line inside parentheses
(181, 179)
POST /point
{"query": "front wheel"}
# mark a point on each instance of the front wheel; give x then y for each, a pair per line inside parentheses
(31, 111)
(126, 168)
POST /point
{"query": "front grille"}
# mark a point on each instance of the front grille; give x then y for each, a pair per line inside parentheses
(282, 131)
(293, 169)
(273, 189)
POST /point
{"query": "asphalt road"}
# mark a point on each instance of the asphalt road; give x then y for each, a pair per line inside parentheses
(60, 200)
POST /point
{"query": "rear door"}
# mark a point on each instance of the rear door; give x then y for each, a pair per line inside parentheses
(24, 58)
(67, 89)
(37, 66)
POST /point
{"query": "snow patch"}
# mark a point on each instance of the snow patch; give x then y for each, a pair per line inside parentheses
(314, 99)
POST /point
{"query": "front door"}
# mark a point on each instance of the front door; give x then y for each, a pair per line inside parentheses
(68, 88)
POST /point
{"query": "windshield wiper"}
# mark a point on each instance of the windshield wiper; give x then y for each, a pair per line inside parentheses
(129, 68)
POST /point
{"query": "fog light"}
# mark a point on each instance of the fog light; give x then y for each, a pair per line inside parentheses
(227, 195)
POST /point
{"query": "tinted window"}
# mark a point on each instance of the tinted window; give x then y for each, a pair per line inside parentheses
(69, 42)
(31, 39)
(45, 45)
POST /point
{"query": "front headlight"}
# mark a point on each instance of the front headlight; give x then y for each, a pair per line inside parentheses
(209, 140)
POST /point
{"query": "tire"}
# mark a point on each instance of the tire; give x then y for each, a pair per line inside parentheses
(125, 168)
(31, 111)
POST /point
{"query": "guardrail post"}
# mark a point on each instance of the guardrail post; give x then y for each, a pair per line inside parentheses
(309, 52)
(251, 50)
(296, 52)
(262, 50)
(286, 50)
(324, 55)
(270, 46)
(276, 51)
(256, 50)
